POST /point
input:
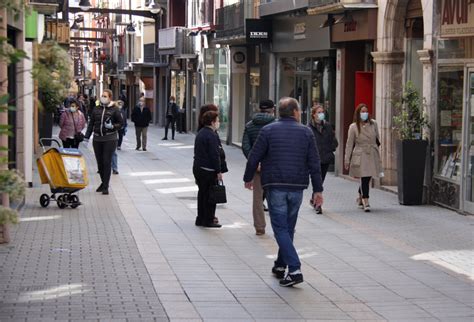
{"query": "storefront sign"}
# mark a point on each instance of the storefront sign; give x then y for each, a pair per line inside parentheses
(258, 31)
(457, 18)
(239, 60)
(300, 31)
(78, 70)
(361, 25)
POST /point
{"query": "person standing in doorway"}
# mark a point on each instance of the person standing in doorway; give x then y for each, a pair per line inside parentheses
(172, 111)
(362, 156)
(251, 131)
(326, 141)
(141, 116)
(104, 122)
(287, 154)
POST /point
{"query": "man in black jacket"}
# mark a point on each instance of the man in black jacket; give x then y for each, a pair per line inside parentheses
(172, 111)
(141, 116)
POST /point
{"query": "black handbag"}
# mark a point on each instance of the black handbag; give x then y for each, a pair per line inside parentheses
(217, 193)
(78, 136)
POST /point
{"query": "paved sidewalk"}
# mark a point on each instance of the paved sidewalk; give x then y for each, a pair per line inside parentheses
(137, 254)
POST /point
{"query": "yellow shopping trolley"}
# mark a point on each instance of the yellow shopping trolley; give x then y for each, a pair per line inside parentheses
(66, 173)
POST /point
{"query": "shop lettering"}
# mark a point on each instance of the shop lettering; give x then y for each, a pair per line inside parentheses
(455, 9)
(350, 26)
(258, 34)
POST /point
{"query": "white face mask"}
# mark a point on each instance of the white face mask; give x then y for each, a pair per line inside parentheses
(321, 116)
(73, 108)
(104, 100)
(364, 116)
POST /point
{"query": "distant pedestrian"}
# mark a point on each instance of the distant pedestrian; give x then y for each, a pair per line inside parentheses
(71, 122)
(362, 154)
(141, 116)
(207, 168)
(123, 131)
(202, 111)
(119, 105)
(287, 154)
(104, 122)
(326, 141)
(172, 111)
(251, 131)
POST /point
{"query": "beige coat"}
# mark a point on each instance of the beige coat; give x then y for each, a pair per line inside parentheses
(362, 152)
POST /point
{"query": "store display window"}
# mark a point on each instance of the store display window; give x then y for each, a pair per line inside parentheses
(450, 120)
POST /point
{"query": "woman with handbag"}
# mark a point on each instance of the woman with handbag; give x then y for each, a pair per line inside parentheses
(207, 168)
(72, 122)
(362, 155)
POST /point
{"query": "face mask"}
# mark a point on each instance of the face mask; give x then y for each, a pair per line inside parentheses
(364, 116)
(73, 108)
(120, 106)
(105, 100)
(217, 125)
(321, 116)
(141, 103)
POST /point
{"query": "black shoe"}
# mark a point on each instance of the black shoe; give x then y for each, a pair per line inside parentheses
(265, 208)
(105, 191)
(319, 210)
(213, 225)
(165, 138)
(119, 148)
(115, 172)
(144, 149)
(278, 271)
(100, 189)
(291, 279)
(137, 148)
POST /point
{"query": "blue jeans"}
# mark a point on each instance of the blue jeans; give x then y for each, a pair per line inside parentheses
(115, 161)
(283, 206)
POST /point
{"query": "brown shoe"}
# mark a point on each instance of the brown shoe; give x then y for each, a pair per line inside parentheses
(260, 232)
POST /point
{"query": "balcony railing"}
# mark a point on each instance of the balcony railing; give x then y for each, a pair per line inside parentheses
(175, 41)
(231, 20)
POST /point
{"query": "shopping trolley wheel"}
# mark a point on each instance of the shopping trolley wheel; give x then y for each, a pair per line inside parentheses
(62, 202)
(44, 200)
(74, 200)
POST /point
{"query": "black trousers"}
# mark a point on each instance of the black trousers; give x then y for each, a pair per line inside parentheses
(70, 143)
(121, 134)
(103, 154)
(170, 121)
(324, 171)
(364, 186)
(206, 210)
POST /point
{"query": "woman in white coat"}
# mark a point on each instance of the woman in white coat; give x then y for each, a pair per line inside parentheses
(362, 154)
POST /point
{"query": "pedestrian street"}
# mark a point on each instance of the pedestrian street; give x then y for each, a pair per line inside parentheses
(136, 255)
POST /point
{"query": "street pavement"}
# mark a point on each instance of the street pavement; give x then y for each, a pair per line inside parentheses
(136, 254)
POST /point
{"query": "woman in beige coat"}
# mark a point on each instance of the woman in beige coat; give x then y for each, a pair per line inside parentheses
(362, 155)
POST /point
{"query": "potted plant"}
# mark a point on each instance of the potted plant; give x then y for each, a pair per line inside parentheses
(12, 185)
(409, 122)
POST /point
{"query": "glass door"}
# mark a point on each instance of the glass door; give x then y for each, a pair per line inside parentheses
(468, 184)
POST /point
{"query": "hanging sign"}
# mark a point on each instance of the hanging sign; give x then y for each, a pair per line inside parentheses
(457, 18)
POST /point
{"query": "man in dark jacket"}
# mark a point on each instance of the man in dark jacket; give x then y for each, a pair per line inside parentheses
(287, 153)
(141, 116)
(252, 128)
(172, 111)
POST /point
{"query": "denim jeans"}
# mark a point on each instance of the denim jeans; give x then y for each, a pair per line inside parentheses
(115, 161)
(283, 206)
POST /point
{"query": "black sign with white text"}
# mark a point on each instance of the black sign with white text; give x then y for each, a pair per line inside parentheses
(258, 31)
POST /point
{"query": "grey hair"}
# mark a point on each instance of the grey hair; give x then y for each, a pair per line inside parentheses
(287, 106)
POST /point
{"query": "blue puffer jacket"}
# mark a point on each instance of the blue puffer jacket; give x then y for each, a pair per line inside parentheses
(288, 155)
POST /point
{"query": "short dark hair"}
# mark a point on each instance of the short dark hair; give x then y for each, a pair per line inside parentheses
(287, 106)
(204, 109)
(209, 117)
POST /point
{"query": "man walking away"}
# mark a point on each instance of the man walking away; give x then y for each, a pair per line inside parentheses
(172, 111)
(252, 128)
(141, 116)
(286, 151)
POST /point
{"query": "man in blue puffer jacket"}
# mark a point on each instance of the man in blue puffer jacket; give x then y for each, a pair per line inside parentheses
(286, 151)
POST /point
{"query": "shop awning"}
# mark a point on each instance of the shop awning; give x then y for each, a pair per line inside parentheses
(339, 8)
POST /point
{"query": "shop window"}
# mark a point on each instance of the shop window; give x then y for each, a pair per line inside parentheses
(450, 116)
(456, 48)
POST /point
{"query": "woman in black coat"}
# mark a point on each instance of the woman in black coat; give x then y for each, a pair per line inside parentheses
(325, 140)
(207, 168)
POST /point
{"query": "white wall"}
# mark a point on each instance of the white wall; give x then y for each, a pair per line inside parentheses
(28, 115)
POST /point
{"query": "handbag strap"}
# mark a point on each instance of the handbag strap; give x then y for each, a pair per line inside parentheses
(74, 123)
